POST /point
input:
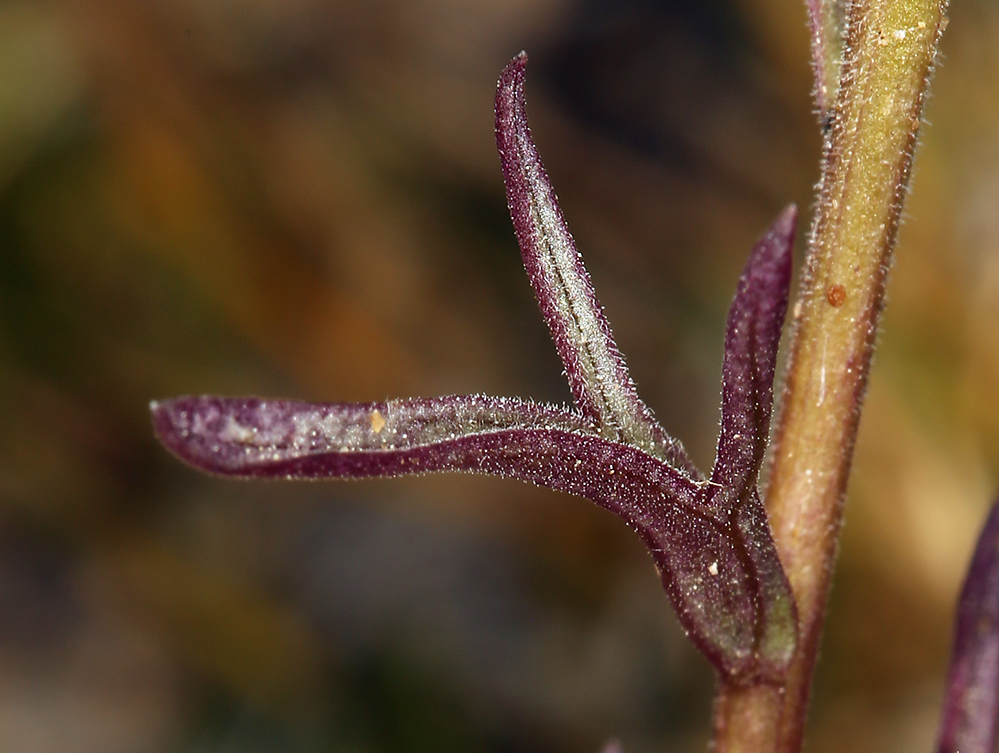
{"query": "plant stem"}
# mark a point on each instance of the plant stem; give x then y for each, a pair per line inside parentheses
(747, 719)
(889, 52)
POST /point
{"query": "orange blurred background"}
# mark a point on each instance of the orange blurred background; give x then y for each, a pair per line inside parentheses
(302, 198)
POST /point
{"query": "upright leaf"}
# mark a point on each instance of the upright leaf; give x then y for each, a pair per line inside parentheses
(598, 376)
(752, 335)
(755, 322)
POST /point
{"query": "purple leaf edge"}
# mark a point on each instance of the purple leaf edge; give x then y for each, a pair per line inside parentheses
(971, 697)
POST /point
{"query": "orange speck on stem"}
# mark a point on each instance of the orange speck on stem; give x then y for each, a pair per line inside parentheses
(836, 295)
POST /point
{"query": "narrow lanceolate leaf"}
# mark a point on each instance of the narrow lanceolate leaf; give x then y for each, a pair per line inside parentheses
(709, 572)
(971, 703)
(597, 374)
(755, 321)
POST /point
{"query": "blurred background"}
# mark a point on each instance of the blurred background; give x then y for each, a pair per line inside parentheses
(302, 198)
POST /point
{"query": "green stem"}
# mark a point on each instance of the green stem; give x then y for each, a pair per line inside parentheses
(889, 51)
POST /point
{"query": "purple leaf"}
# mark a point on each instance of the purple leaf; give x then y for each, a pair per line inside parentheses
(248, 437)
(711, 579)
(598, 377)
(776, 624)
(710, 540)
(755, 321)
(971, 703)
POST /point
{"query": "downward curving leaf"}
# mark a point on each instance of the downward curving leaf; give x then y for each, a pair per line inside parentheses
(700, 556)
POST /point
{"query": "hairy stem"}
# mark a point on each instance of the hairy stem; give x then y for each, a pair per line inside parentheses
(747, 719)
(889, 51)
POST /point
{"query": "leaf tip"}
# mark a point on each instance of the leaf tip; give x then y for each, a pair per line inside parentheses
(513, 74)
(786, 223)
(166, 426)
(772, 256)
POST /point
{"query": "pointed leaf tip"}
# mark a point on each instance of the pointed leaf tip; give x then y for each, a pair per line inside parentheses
(971, 700)
(786, 223)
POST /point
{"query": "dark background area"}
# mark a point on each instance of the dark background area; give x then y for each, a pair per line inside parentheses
(302, 198)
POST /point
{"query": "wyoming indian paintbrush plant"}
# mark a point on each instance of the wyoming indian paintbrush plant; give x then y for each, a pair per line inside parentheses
(708, 535)
(748, 581)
